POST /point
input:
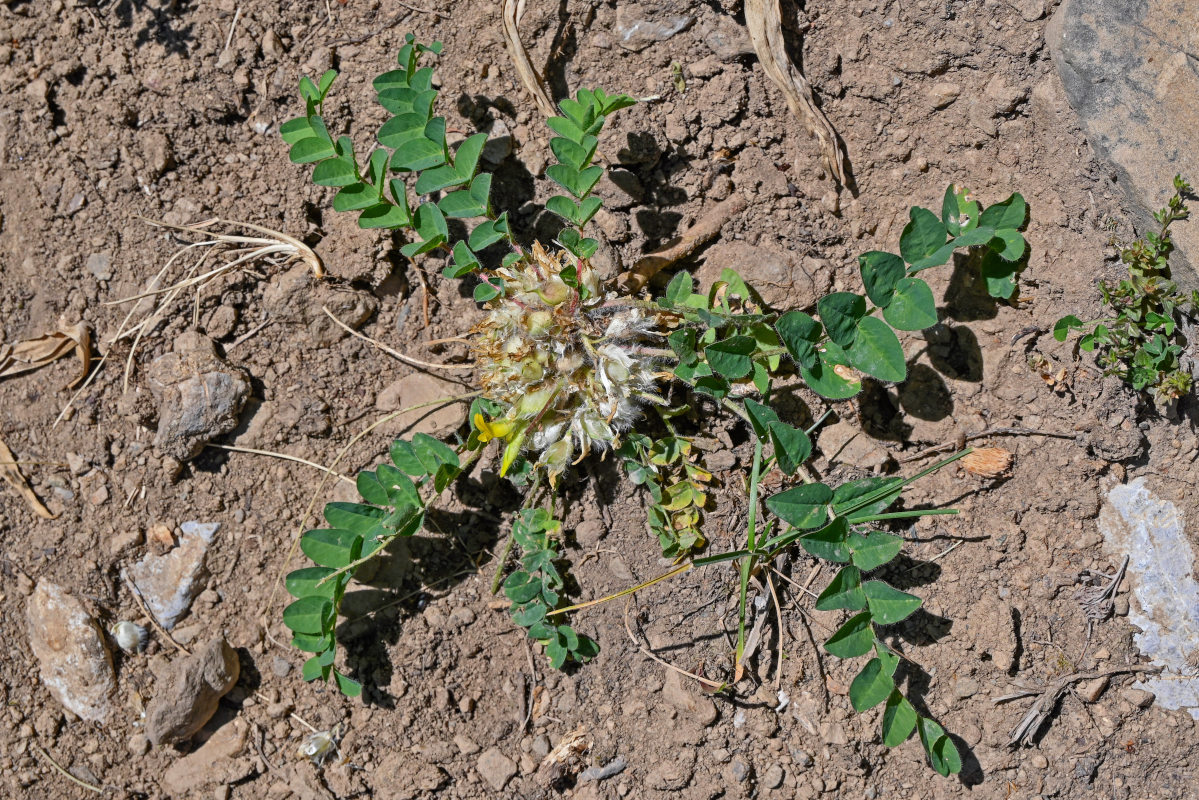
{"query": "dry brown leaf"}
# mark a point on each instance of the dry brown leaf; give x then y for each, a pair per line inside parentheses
(766, 32)
(40, 351)
(512, 11)
(12, 475)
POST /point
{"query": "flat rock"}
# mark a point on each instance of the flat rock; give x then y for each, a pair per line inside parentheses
(199, 396)
(192, 692)
(75, 663)
(700, 708)
(495, 768)
(418, 389)
(782, 280)
(170, 582)
(296, 297)
(1129, 71)
(214, 762)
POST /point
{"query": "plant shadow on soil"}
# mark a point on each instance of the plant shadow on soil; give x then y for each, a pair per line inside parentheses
(411, 570)
(164, 27)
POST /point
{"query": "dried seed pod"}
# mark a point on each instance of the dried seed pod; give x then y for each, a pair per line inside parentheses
(988, 462)
(320, 745)
(129, 636)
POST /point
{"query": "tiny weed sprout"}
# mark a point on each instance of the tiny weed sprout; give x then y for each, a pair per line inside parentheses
(1143, 340)
(568, 364)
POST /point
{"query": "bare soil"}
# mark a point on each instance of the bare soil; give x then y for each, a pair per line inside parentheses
(116, 110)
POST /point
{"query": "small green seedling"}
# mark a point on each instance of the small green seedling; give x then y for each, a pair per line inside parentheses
(1142, 341)
(568, 364)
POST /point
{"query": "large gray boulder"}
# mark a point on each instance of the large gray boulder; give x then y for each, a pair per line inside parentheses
(1131, 71)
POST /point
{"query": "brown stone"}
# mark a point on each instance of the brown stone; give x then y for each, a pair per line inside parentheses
(192, 693)
(214, 762)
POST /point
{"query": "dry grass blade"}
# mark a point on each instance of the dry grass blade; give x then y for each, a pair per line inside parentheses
(238, 251)
(766, 33)
(512, 11)
(12, 476)
(40, 351)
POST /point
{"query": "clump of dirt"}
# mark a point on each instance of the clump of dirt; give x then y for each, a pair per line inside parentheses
(171, 111)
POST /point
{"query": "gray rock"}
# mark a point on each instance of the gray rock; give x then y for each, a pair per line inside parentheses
(499, 144)
(214, 762)
(192, 693)
(200, 397)
(496, 768)
(100, 265)
(782, 279)
(639, 25)
(727, 40)
(170, 582)
(1129, 70)
(74, 661)
(773, 778)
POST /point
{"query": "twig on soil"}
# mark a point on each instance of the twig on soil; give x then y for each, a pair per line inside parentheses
(283, 456)
(708, 684)
(11, 474)
(248, 335)
(706, 227)
(778, 616)
(960, 442)
(416, 362)
(766, 32)
(67, 775)
(524, 725)
(141, 603)
(1042, 709)
(232, 28)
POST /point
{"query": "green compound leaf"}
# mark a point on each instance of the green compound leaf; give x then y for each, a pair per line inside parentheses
(853, 639)
(880, 274)
(1013, 245)
(304, 582)
(296, 129)
(313, 669)
(840, 312)
(488, 233)
(848, 495)
(521, 587)
(348, 686)
(923, 236)
(340, 171)
(800, 333)
(871, 687)
(308, 615)
(958, 212)
(576, 244)
(354, 517)
(679, 290)
(730, 357)
(889, 605)
(527, 615)
(332, 547)
(312, 148)
(830, 542)
(355, 197)
(899, 719)
(843, 591)
(579, 182)
(564, 127)
(383, 215)
(1010, 214)
(804, 506)
(574, 154)
(999, 275)
(1062, 328)
(876, 351)
(912, 307)
(791, 446)
(942, 752)
(874, 549)
(760, 417)
(823, 378)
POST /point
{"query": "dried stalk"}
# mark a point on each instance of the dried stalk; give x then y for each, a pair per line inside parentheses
(635, 278)
(766, 32)
(512, 12)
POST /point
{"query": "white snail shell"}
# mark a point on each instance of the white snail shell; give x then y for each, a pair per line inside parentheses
(130, 636)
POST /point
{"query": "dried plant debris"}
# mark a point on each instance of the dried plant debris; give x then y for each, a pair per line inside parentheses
(1097, 593)
(1160, 574)
(988, 462)
(513, 10)
(40, 351)
(12, 475)
(766, 32)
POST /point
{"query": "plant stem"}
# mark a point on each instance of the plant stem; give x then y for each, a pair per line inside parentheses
(747, 565)
(499, 566)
